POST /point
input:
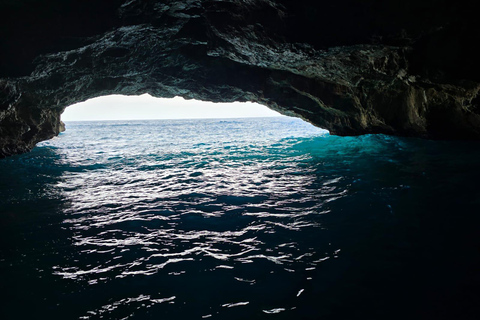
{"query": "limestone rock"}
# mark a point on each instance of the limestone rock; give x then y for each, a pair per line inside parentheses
(350, 67)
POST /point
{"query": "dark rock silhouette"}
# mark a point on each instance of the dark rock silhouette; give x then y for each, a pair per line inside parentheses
(353, 67)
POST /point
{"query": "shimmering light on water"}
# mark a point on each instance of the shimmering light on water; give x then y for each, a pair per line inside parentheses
(236, 219)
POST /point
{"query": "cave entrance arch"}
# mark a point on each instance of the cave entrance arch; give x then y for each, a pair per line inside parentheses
(159, 123)
(146, 107)
(123, 130)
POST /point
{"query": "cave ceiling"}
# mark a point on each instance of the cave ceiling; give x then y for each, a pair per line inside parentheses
(406, 68)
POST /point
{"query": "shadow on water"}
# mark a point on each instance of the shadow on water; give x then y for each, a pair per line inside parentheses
(31, 237)
(360, 227)
(408, 231)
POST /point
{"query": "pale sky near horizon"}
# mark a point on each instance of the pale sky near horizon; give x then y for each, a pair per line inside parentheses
(145, 107)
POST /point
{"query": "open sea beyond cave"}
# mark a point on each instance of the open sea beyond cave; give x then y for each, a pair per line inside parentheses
(260, 218)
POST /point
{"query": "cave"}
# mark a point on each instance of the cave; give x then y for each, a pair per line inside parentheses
(402, 68)
(217, 219)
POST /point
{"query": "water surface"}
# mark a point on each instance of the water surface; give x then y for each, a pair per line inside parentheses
(267, 218)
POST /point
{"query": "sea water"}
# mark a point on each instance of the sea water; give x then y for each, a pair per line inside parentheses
(265, 218)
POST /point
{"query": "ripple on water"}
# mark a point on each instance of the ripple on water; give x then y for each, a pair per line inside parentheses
(230, 212)
(193, 223)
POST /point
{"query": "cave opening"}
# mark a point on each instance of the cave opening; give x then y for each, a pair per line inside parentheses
(146, 107)
(118, 124)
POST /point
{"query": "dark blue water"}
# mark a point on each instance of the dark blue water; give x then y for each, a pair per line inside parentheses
(239, 219)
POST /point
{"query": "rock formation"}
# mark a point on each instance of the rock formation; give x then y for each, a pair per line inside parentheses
(353, 67)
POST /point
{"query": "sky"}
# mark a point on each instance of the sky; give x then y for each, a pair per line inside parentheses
(144, 107)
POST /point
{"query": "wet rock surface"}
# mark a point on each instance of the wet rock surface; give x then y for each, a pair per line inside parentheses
(402, 68)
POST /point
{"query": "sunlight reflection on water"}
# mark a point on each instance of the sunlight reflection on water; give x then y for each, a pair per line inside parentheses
(229, 219)
(221, 204)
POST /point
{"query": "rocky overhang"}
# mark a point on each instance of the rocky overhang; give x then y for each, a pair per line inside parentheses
(406, 68)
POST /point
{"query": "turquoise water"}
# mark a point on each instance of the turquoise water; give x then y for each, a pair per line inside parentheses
(266, 218)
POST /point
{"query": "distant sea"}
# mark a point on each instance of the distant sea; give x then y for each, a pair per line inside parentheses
(259, 218)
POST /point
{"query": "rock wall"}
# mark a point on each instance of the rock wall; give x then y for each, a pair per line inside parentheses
(352, 67)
